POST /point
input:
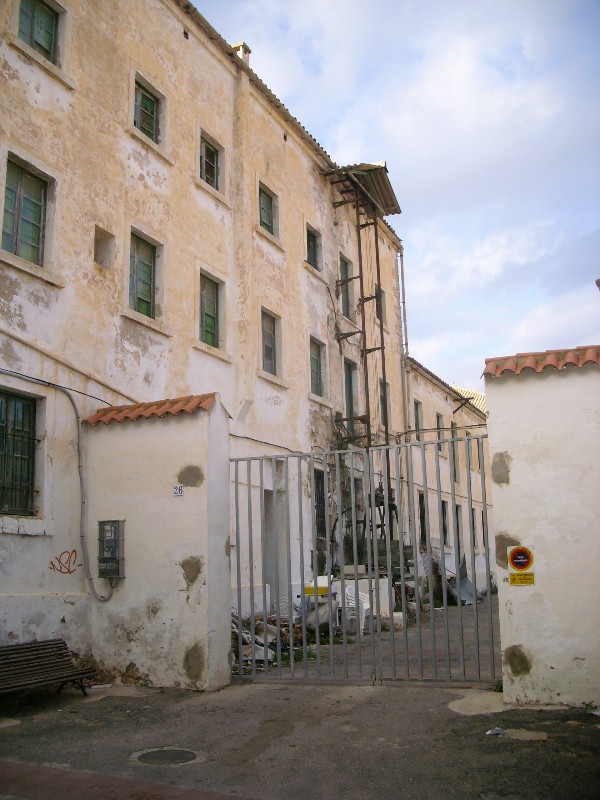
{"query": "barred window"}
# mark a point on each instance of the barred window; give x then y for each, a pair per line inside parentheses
(17, 454)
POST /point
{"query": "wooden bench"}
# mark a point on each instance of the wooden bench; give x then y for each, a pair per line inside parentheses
(35, 664)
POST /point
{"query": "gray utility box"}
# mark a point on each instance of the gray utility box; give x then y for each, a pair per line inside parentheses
(111, 548)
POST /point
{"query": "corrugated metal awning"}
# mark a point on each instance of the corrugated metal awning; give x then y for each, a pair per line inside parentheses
(374, 180)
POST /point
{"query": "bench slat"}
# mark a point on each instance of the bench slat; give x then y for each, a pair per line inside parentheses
(39, 664)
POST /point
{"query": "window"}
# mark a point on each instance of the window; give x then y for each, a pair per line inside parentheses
(380, 303)
(316, 368)
(17, 454)
(146, 112)
(349, 387)
(445, 521)
(313, 248)
(24, 214)
(346, 286)
(454, 450)
(439, 424)
(418, 412)
(209, 163)
(38, 27)
(269, 351)
(474, 526)
(209, 311)
(267, 203)
(142, 276)
(458, 518)
(384, 403)
(422, 520)
(320, 521)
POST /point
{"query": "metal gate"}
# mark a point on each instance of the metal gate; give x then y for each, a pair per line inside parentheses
(365, 565)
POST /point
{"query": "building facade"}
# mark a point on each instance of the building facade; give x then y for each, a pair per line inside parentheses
(169, 229)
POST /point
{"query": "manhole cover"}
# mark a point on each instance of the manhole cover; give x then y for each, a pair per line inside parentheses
(166, 756)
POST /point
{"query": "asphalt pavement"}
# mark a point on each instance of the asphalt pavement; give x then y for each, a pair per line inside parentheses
(294, 742)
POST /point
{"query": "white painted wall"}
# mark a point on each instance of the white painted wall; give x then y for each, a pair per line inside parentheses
(168, 620)
(544, 434)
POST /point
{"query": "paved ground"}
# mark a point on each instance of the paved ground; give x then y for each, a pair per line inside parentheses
(275, 742)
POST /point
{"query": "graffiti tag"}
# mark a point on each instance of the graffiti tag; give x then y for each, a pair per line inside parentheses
(65, 563)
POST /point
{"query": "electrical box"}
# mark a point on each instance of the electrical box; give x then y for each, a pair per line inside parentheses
(111, 548)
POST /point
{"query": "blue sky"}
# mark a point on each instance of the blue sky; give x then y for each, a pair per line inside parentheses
(487, 113)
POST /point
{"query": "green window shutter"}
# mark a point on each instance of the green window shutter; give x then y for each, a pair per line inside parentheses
(266, 210)
(24, 214)
(345, 289)
(209, 164)
(209, 311)
(142, 276)
(145, 116)
(38, 27)
(269, 344)
(312, 254)
(316, 379)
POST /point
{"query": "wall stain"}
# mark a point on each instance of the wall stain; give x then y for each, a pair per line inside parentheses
(501, 467)
(152, 608)
(517, 660)
(10, 310)
(192, 567)
(8, 354)
(193, 662)
(190, 476)
(132, 676)
(504, 540)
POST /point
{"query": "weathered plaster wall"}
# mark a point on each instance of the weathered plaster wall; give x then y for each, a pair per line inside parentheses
(545, 438)
(168, 620)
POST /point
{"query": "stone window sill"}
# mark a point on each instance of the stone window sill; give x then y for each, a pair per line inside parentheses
(269, 237)
(148, 322)
(47, 66)
(43, 273)
(315, 272)
(27, 526)
(205, 187)
(274, 379)
(213, 351)
(159, 149)
(322, 401)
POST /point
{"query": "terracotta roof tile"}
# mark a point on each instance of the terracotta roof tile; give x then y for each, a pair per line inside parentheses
(155, 408)
(550, 359)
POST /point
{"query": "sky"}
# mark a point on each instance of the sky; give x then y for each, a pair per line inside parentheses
(487, 113)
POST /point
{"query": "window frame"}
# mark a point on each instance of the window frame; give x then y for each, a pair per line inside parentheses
(418, 419)
(439, 418)
(158, 144)
(445, 519)
(313, 248)
(140, 88)
(134, 278)
(454, 452)
(346, 290)
(23, 173)
(384, 403)
(57, 67)
(317, 364)
(36, 6)
(320, 504)
(380, 312)
(30, 441)
(350, 393)
(266, 363)
(269, 227)
(43, 271)
(208, 142)
(204, 278)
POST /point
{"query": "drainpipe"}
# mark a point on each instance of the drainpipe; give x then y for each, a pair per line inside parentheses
(84, 549)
